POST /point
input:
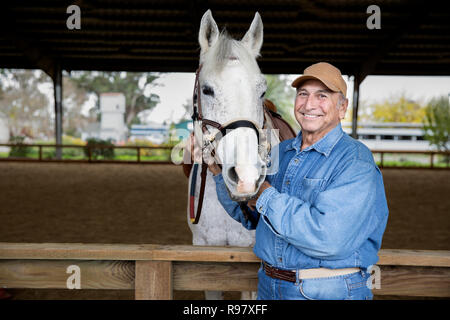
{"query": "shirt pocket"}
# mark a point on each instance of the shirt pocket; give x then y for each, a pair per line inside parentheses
(310, 189)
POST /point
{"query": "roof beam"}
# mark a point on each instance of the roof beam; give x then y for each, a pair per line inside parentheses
(406, 25)
(34, 54)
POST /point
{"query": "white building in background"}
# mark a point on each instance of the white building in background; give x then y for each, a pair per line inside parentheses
(4, 132)
(391, 136)
(112, 125)
(153, 132)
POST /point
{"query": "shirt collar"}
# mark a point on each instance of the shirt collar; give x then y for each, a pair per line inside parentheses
(324, 145)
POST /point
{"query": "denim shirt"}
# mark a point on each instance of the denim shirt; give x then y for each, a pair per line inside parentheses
(326, 206)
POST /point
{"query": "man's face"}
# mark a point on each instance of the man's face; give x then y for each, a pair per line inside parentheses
(316, 108)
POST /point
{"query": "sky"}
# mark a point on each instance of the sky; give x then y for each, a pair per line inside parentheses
(177, 89)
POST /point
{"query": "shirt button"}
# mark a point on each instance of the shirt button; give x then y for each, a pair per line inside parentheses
(280, 259)
(296, 160)
(287, 182)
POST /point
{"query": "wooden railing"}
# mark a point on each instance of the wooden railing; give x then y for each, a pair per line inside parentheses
(88, 148)
(432, 155)
(90, 159)
(154, 271)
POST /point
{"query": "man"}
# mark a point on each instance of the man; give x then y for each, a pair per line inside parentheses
(323, 214)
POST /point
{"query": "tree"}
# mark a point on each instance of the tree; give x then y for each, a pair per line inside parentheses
(132, 84)
(436, 124)
(2, 75)
(24, 104)
(187, 106)
(399, 109)
(74, 97)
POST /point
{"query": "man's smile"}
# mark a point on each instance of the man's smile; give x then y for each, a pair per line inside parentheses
(310, 116)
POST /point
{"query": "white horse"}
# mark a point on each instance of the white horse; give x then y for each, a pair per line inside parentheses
(231, 87)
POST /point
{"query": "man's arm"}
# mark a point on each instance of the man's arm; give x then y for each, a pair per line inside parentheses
(342, 217)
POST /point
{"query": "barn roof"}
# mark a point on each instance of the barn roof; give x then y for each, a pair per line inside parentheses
(161, 35)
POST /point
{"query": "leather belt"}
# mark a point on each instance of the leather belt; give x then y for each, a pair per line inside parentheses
(291, 275)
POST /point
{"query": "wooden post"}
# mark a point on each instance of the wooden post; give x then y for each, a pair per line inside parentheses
(431, 159)
(153, 280)
(58, 95)
(356, 82)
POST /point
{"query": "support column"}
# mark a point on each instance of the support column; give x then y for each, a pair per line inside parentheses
(356, 82)
(153, 280)
(57, 89)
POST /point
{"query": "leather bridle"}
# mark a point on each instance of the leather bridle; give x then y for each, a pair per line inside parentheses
(201, 123)
(197, 115)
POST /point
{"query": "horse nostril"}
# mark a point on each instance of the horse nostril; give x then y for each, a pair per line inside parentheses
(232, 174)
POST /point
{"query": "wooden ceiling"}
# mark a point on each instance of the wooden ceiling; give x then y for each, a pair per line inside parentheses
(137, 35)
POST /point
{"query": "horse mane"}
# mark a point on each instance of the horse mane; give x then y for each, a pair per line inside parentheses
(227, 49)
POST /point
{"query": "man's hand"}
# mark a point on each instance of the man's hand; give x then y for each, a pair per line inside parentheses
(214, 168)
(252, 203)
(196, 153)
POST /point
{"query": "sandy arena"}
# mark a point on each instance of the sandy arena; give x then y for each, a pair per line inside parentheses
(113, 203)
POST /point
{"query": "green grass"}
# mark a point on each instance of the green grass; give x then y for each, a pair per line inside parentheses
(410, 164)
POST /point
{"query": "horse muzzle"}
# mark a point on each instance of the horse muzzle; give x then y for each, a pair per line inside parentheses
(243, 182)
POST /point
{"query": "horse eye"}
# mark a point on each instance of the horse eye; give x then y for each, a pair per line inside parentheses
(208, 91)
(263, 94)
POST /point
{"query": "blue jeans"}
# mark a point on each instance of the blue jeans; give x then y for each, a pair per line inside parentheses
(347, 287)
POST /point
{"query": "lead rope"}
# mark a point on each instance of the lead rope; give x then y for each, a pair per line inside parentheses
(196, 217)
(196, 116)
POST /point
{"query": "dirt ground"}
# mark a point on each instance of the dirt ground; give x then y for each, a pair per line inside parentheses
(112, 203)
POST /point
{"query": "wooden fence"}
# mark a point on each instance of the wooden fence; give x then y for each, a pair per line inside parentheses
(431, 154)
(91, 159)
(154, 271)
(89, 151)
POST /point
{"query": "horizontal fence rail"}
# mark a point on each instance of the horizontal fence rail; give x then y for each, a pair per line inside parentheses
(89, 150)
(429, 153)
(138, 160)
(154, 271)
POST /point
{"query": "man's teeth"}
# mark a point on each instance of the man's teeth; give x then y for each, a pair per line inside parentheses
(311, 115)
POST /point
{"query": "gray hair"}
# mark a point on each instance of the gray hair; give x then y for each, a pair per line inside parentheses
(341, 100)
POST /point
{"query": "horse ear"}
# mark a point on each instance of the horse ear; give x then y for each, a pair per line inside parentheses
(208, 33)
(253, 39)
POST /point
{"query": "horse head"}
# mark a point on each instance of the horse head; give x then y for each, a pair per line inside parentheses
(230, 92)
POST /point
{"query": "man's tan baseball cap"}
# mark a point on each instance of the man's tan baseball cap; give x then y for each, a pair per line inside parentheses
(328, 74)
